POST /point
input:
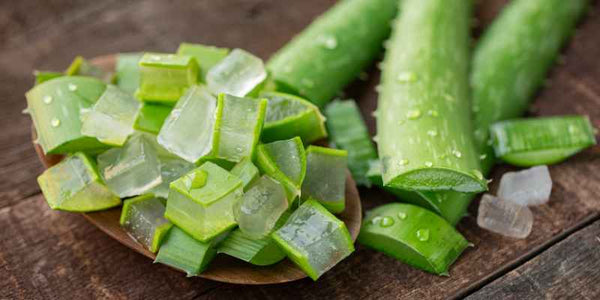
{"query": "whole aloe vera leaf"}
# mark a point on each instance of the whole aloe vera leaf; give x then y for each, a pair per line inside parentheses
(206, 56)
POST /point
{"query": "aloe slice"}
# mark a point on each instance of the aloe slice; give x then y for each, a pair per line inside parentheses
(82, 67)
(325, 179)
(284, 161)
(128, 71)
(151, 117)
(289, 116)
(142, 218)
(314, 239)
(165, 77)
(542, 141)
(74, 185)
(238, 74)
(43, 76)
(413, 235)
(201, 202)
(246, 171)
(54, 107)
(171, 169)
(206, 56)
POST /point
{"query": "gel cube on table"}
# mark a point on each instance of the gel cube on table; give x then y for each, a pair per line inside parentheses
(165, 77)
(325, 179)
(246, 171)
(171, 169)
(504, 217)
(142, 218)
(528, 187)
(206, 56)
(237, 74)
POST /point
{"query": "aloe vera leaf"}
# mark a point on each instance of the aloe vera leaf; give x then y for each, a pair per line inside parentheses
(165, 77)
(80, 66)
(289, 116)
(74, 185)
(542, 141)
(43, 76)
(206, 56)
(201, 202)
(54, 107)
(314, 239)
(325, 179)
(246, 171)
(413, 235)
(151, 117)
(348, 131)
(142, 218)
(128, 71)
(238, 74)
(424, 133)
(325, 57)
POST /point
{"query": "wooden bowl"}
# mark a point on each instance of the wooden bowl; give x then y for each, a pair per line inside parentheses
(224, 268)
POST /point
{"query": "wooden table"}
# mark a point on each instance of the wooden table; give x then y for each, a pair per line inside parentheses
(49, 254)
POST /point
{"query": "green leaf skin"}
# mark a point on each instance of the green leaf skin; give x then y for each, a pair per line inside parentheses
(206, 56)
(424, 128)
(128, 71)
(325, 179)
(151, 117)
(82, 67)
(43, 76)
(246, 171)
(142, 218)
(333, 50)
(74, 185)
(348, 131)
(542, 141)
(289, 116)
(54, 107)
(165, 77)
(414, 236)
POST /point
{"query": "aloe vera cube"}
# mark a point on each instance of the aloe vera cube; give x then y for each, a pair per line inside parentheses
(74, 185)
(314, 239)
(201, 202)
(284, 161)
(43, 76)
(151, 117)
(165, 77)
(237, 74)
(111, 118)
(246, 171)
(171, 169)
(504, 217)
(54, 107)
(325, 179)
(206, 56)
(260, 208)
(131, 170)
(142, 218)
(289, 116)
(181, 251)
(526, 187)
(413, 235)
(128, 71)
(80, 66)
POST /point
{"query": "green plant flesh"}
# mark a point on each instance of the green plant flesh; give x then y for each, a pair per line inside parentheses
(127, 75)
(151, 117)
(142, 218)
(206, 56)
(325, 179)
(246, 171)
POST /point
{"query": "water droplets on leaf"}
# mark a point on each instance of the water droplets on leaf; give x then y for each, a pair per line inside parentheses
(403, 162)
(428, 164)
(482, 156)
(72, 87)
(406, 77)
(376, 220)
(47, 99)
(55, 122)
(386, 222)
(433, 113)
(432, 132)
(402, 215)
(329, 42)
(423, 235)
(413, 114)
(457, 153)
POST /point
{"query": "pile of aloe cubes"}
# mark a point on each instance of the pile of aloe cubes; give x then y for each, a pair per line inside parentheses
(205, 155)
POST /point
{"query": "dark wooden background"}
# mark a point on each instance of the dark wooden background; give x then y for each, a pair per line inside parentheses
(55, 255)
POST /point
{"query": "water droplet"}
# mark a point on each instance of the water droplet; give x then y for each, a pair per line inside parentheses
(413, 114)
(239, 149)
(386, 222)
(457, 153)
(72, 87)
(47, 99)
(199, 179)
(482, 156)
(433, 113)
(403, 162)
(423, 235)
(55, 122)
(432, 132)
(477, 174)
(401, 215)
(572, 129)
(330, 42)
(375, 139)
(428, 164)
(376, 220)
(406, 77)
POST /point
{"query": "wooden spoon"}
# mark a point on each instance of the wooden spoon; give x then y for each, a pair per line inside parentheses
(224, 268)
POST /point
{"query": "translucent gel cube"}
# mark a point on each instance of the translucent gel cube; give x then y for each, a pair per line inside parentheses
(131, 170)
(527, 187)
(142, 218)
(325, 179)
(246, 171)
(171, 169)
(165, 77)
(504, 217)
(284, 161)
(237, 74)
(206, 56)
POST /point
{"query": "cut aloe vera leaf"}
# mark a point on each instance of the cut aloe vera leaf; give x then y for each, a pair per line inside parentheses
(111, 118)
(206, 56)
(246, 171)
(289, 116)
(201, 202)
(54, 107)
(43, 76)
(260, 208)
(541, 141)
(165, 77)
(284, 161)
(151, 117)
(324, 57)
(325, 179)
(348, 131)
(374, 172)
(181, 251)
(74, 185)
(171, 169)
(128, 71)
(80, 66)
(424, 132)
(238, 74)
(260, 252)
(142, 218)
(414, 236)
(131, 170)
(314, 239)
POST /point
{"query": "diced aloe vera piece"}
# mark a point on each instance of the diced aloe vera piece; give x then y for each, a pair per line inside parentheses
(206, 56)
(325, 179)
(54, 108)
(131, 170)
(260, 252)
(128, 71)
(284, 161)
(80, 66)
(260, 208)
(165, 77)
(314, 239)
(238, 74)
(142, 218)
(201, 202)
(43, 76)
(246, 171)
(151, 117)
(181, 251)
(171, 169)
(74, 185)
(374, 172)
(111, 118)
(289, 116)
(413, 235)
(542, 141)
